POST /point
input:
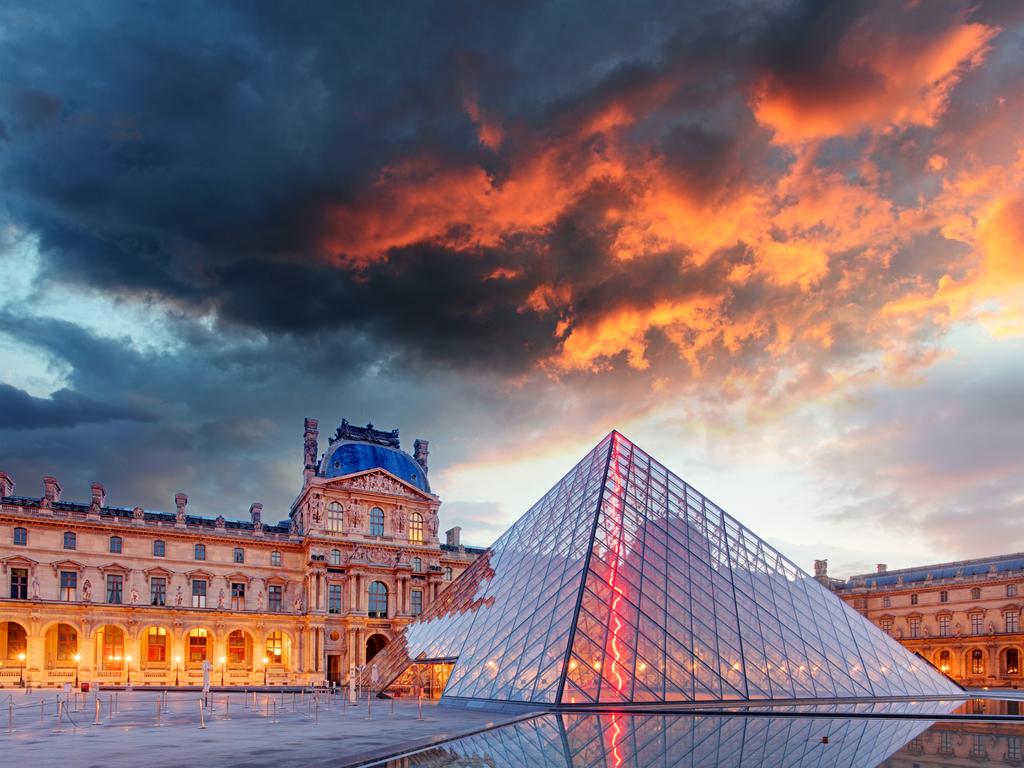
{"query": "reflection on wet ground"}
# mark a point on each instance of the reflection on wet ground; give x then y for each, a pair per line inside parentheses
(889, 734)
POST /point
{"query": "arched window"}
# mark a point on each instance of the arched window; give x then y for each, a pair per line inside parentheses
(335, 517)
(159, 548)
(945, 661)
(20, 537)
(335, 557)
(116, 545)
(1012, 661)
(377, 605)
(275, 647)
(417, 564)
(376, 521)
(977, 662)
(416, 527)
(70, 540)
(17, 640)
(275, 558)
(236, 647)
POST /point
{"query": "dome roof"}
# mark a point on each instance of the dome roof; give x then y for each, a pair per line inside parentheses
(348, 457)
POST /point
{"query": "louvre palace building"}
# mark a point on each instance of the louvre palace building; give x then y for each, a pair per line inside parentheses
(112, 595)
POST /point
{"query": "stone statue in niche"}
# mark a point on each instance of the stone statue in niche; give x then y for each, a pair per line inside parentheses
(220, 598)
(135, 596)
(297, 604)
(355, 517)
(86, 591)
(316, 509)
(35, 588)
(259, 601)
(433, 524)
(398, 518)
(178, 597)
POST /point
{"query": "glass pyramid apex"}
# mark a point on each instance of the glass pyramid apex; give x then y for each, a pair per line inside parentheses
(624, 585)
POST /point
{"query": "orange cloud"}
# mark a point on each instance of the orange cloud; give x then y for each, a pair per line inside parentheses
(879, 76)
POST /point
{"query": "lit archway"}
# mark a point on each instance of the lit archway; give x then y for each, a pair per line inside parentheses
(239, 650)
(374, 645)
(155, 648)
(13, 641)
(198, 646)
(110, 644)
(279, 649)
(61, 646)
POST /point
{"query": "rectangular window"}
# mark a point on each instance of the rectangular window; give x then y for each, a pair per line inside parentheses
(448, 575)
(943, 596)
(275, 558)
(417, 602)
(915, 627)
(1013, 750)
(70, 540)
(115, 585)
(21, 537)
(200, 552)
(198, 593)
(274, 597)
(68, 585)
(976, 621)
(67, 642)
(334, 598)
(976, 594)
(197, 643)
(1011, 590)
(1012, 621)
(236, 647)
(158, 591)
(886, 602)
(159, 548)
(156, 644)
(417, 564)
(886, 625)
(944, 626)
(115, 545)
(977, 663)
(238, 596)
(239, 555)
(19, 583)
(913, 599)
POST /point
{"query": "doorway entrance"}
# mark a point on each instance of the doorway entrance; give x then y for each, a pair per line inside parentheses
(334, 668)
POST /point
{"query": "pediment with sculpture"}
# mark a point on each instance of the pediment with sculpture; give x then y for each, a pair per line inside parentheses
(378, 481)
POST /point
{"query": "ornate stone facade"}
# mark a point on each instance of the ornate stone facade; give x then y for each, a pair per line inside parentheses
(100, 593)
(963, 616)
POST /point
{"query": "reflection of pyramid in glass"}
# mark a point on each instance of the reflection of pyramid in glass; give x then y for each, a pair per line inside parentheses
(625, 585)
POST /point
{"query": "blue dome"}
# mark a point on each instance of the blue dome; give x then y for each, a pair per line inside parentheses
(348, 458)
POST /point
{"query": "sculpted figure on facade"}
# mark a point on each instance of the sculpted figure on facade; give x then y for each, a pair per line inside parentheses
(135, 595)
(355, 517)
(86, 591)
(35, 588)
(398, 520)
(297, 604)
(316, 509)
(359, 553)
(178, 597)
(259, 601)
(433, 524)
(138, 513)
(220, 598)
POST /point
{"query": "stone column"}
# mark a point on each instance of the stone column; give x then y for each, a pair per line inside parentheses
(35, 656)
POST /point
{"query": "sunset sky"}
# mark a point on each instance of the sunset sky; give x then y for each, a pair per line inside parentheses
(778, 245)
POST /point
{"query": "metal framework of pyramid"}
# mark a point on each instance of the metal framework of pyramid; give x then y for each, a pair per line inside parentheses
(623, 585)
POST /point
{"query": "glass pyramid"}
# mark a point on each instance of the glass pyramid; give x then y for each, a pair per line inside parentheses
(624, 585)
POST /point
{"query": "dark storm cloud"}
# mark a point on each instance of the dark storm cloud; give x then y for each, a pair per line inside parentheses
(64, 408)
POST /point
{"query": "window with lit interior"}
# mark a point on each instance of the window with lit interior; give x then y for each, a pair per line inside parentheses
(416, 527)
(377, 605)
(335, 517)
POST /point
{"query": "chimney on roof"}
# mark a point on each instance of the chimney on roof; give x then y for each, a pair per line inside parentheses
(311, 447)
(99, 495)
(51, 489)
(6, 484)
(881, 568)
(452, 536)
(420, 452)
(180, 500)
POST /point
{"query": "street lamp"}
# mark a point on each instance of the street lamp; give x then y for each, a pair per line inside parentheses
(128, 666)
(21, 669)
(77, 659)
(223, 663)
(177, 666)
(266, 661)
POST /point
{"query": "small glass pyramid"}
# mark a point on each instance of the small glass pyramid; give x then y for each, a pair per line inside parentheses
(623, 585)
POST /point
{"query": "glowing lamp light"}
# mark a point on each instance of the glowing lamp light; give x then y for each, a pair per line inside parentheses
(573, 664)
(642, 666)
(222, 659)
(21, 657)
(128, 659)
(177, 659)
(597, 664)
(266, 660)
(77, 658)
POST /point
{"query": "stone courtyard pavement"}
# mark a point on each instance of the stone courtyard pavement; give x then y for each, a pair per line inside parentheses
(283, 729)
